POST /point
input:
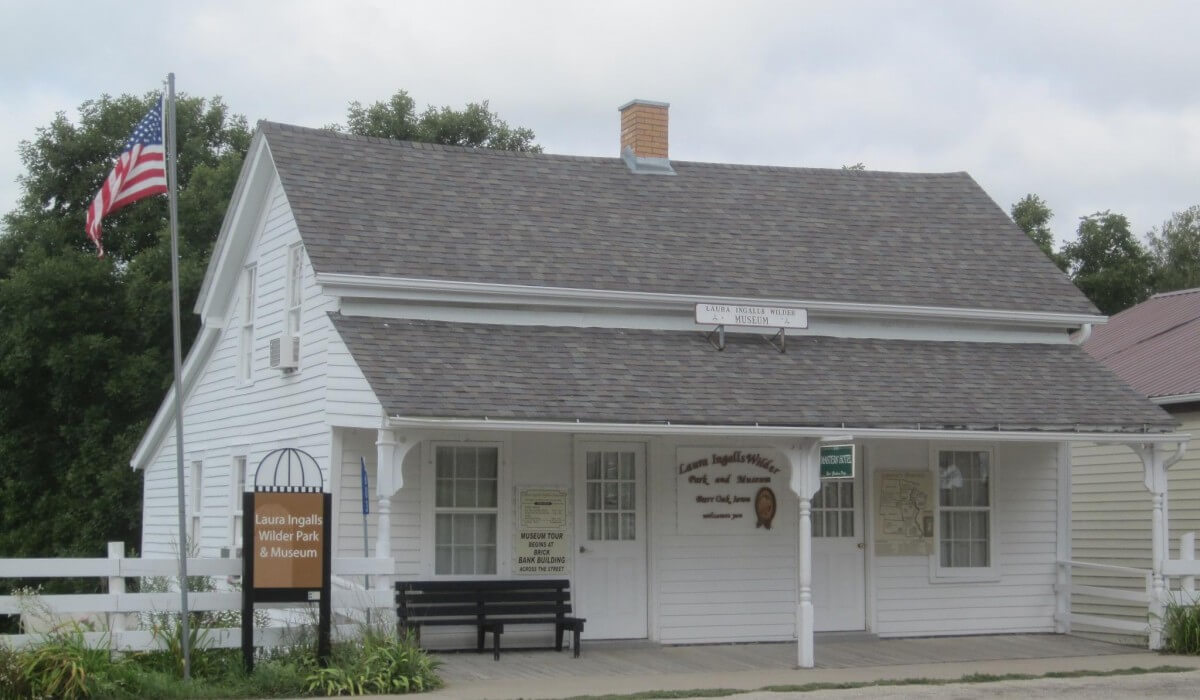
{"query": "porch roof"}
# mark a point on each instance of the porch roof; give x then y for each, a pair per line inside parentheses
(434, 369)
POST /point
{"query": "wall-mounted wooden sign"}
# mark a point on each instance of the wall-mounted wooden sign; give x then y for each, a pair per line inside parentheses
(721, 490)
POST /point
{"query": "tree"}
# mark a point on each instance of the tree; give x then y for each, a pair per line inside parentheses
(1032, 216)
(85, 344)
(1175, 247)
(1108, 264)
(474, 125)
(857, 167)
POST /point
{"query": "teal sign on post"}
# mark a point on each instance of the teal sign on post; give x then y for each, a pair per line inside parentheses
(837, 462)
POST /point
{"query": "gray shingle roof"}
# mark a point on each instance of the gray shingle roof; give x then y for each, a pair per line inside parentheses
(455, 370)
(376, 207)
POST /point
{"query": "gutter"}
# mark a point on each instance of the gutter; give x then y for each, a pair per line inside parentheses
(775, 431)
(401, 288)
(1175, 398)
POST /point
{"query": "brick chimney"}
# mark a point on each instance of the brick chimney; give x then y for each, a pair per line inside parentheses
(644, 136)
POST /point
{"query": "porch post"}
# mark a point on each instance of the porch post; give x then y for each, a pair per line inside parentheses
(390, 451)
(803, 457)
(1155, 462)
(385, 457)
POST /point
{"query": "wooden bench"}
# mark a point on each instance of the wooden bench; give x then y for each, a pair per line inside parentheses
(488, 605)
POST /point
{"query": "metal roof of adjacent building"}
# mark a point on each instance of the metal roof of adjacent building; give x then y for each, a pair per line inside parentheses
(435, 369)
(1155, 346)
(371, 206)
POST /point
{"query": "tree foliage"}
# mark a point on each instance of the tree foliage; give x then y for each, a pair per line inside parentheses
(86, 341)
(1175, 247)
(474, 125)
(1032, 215)
(1108, 263)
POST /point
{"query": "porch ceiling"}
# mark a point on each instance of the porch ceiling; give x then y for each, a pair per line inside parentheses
(432, 369)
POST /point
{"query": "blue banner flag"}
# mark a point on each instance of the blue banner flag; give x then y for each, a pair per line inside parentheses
(362, 462)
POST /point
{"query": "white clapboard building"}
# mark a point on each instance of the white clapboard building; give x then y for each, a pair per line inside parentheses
(623, 371)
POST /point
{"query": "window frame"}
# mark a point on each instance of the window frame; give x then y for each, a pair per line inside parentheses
(246, 330)
(195, 522)
(429, 510)
(293, 304)
(237, 488)
(951, 574)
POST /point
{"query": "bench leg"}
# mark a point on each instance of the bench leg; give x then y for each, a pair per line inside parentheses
(575, 646)
(558, 637)
(480, 633)
(496, 643)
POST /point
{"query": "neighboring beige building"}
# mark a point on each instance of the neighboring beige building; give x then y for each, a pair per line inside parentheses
(1155, 347)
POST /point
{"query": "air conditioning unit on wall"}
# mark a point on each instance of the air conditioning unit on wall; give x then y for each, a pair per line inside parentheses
(285, 352)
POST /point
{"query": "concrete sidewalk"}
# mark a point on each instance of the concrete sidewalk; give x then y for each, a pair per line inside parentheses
(562, 687)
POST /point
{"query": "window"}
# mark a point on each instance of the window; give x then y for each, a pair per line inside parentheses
(965, 486)
(246, 341)
(237, 479)
(197, 502)
(611, 496)
(833, 509)
(465, 509)
(295, 276)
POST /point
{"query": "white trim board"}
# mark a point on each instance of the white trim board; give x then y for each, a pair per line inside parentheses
(777, 432)
(407, 289)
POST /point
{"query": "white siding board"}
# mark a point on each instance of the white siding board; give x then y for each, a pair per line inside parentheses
(223, 417)
(1024, 519)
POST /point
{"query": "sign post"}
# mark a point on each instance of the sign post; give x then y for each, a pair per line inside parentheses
(288, 537)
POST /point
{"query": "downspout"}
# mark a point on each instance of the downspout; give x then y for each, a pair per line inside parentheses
(1085, 332)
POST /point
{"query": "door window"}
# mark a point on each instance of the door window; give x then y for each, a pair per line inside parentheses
(833, 509)
(611, 495)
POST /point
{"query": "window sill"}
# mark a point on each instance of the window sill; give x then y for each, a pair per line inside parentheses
(951, 575)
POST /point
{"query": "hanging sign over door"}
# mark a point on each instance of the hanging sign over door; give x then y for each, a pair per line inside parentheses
(753, 316)
(837, 462)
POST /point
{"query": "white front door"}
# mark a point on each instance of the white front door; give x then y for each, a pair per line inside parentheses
(838, 557)
(610, 522)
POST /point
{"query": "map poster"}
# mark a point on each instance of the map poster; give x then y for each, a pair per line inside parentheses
(904, 521)
(541, 547)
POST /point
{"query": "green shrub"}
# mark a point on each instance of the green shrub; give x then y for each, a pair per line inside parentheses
(1181, 629)
(383, 662)
(64, 666)
(12, 677)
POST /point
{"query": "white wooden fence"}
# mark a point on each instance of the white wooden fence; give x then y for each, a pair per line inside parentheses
(111, 612)
(1139, 590)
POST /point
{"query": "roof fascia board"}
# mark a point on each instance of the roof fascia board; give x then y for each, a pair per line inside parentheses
(164, 417)
(252, 183)
(771, 431)
(1175, 398)
(405, 289)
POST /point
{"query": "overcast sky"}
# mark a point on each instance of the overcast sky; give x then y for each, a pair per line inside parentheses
(1092, 105)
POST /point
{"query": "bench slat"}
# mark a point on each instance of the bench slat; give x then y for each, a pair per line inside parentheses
(417, 597)
(483, 585)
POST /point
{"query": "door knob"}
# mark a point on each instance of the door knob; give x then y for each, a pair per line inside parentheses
(582, 549)
(862, 545)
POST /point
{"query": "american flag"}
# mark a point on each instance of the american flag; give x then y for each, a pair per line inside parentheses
(140, 171)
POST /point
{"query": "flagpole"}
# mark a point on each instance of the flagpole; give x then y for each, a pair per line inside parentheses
(173, 206)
